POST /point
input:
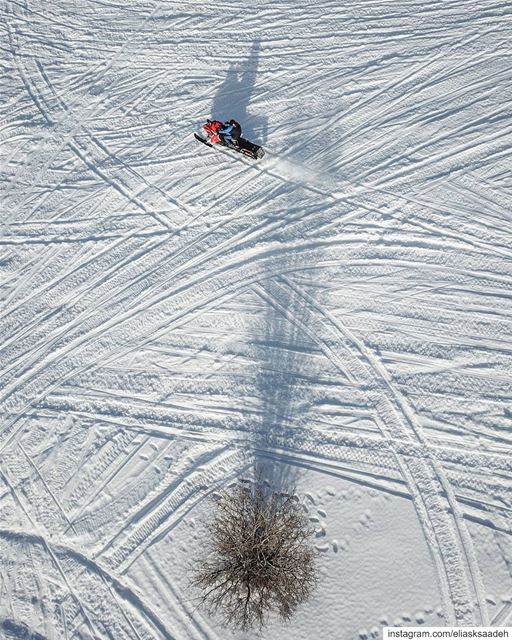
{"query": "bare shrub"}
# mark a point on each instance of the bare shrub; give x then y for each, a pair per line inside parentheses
(261, 559)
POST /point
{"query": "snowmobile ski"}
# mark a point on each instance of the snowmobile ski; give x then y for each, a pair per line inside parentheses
(203, 140)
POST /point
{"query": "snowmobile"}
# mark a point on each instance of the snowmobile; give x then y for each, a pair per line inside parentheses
(212, 128)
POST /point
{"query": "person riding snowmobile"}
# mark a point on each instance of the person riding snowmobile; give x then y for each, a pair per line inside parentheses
(228, 134)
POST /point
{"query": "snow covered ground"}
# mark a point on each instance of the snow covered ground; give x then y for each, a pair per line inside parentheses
(340, 310)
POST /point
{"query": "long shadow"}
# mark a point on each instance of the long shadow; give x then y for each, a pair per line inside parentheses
(285, 355)
(282, 381)
(287, 341)
(19, 631)
(233, 97)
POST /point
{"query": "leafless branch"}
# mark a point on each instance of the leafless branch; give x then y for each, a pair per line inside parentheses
(261, 559)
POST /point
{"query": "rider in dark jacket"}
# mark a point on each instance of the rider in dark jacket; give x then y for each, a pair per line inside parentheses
(230, 132)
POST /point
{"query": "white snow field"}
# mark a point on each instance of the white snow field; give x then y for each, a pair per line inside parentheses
(339, 311)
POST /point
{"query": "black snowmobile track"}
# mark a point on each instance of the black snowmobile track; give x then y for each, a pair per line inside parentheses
(246, 148)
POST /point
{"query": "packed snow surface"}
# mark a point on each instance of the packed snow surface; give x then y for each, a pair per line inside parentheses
(339, 311)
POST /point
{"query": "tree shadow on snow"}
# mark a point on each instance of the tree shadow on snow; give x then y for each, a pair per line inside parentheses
(18, 631)
(284, 355)
(290, 337)
(234, 95)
